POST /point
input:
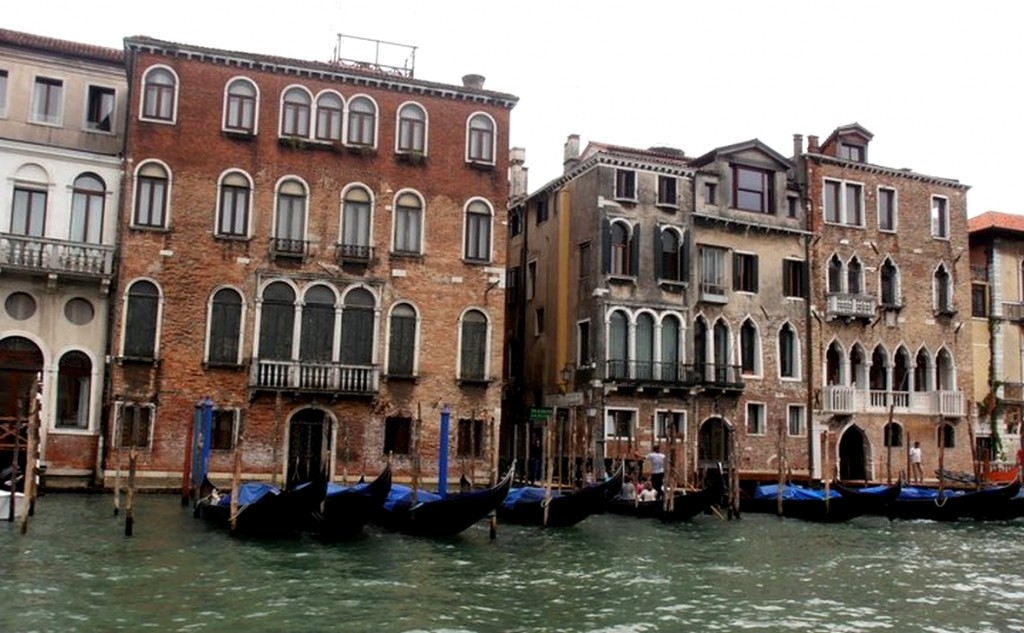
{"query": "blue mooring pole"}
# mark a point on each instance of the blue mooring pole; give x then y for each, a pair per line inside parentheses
(442, 462)
(207, 433)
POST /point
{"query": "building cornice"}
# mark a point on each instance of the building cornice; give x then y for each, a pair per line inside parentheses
(745, 224)
(887, 171)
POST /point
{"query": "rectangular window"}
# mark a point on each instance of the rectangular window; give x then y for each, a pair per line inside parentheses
(531, 279)
(397, 435)
(234, 211)
(470, 438)
(752, 189)
(99, 112)
(667, 191)
(794, 278)
(843, 203)
(669, 425)
(832, 201)
(583, 343)
(136, 424)
(710, 191)
(712, 270)
(223, 431)
(796, 420)
(755, 418)
(3, 93)
(541, 211)
(28, 215)
(855, 153)
(886, 209)
(478, 237)
(792, 206)
(625, 184)
(744, 272)
(979, 300)
(539, 323)
(854, 205)
(619, 423)
(940, 217)
(584, 260)
(47, 100)
(150, 201)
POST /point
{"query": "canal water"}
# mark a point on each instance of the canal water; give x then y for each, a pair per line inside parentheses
(76, 571)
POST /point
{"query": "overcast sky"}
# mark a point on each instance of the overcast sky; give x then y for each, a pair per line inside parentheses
(939, 83)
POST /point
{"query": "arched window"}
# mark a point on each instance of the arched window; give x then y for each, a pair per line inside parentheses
(618, 345)
(240, 107)
(854, 277)
(473, 354)
(159, 94)
(316, 338)
(295, 113)
(946, 436)
(74, 385)
(408, 223)
(644, 347)
(412, 129)
(835, 274)
(329, 109)
(671, 256)
(878, 376)
(892, 435)
(670, 338)
(233, 211)
(834, 365)
(749, 348)
(943, 291)
(480, 139)
(355, 225)
(402, 341)
(700, 347)
(87, 200)
(140, 321)
(789, 352)
(721, 336)
(362, 122)
(358, 335)
(290, 228)
(890, 284)
(901, 370)
(858, 367)
(478, 231)
(945, 379)
(277, 321)
(152, 189)
(620, 248)
(225, 327)
(922, 371)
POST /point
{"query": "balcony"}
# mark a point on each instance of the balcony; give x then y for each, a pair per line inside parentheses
(314, 377)
(43, 256)
(851, 306)
(353, 253)
(287, 248)
(1013, 311)
(674, 375)
(849, 400)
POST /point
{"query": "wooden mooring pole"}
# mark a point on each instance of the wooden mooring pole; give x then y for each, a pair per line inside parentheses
(129, 504)
(31, 448)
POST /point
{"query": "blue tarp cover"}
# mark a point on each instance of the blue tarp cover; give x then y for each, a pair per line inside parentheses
(333, 488)
(790, 493)
(526, 494)
(402, 495)
(250, 492)
(912, 492)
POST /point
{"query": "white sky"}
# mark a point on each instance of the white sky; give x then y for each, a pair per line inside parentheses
(938, 82)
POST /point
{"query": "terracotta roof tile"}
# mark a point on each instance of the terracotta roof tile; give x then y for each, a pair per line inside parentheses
(62, 47)
(996, 220)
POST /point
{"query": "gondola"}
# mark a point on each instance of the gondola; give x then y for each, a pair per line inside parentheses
(950, 505)
(346, 509)
(530, 505)
(435, 516)
(809, 504)
(1011, 508)
(684, 506)
(264, 510)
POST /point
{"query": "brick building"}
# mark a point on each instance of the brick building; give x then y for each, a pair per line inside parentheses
(62, 109)
(315, 248)
(890, 297)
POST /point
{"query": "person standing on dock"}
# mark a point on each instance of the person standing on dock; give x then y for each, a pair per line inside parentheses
(657, 461)
(916, 472)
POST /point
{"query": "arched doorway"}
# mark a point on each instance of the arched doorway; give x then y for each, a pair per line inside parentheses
(852, 454)
(309, 445)
(714, 442)
(21, 362)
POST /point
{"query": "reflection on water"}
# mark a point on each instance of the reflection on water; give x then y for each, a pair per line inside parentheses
(75, 571)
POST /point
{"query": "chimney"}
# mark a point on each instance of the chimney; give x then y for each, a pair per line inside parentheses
(571, 155)
(473, 81)
(517, 173)
(812, 144)
(798, 145)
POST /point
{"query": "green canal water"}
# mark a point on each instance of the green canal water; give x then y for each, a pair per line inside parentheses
(76, 571)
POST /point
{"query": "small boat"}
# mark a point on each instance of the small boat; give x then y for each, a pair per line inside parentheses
(949, 505)
(436, 516)
(684, 506)
(1011, 508)
(264, 510)
(530, 505)
(810, 504)
(346, 509)
(20, 505)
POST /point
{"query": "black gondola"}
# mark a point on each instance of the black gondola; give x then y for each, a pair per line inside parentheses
(346, 509)
(950, 505)
(809, 504)
(531, 506)
(263, 510)
(435, 516)
(683, 507)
